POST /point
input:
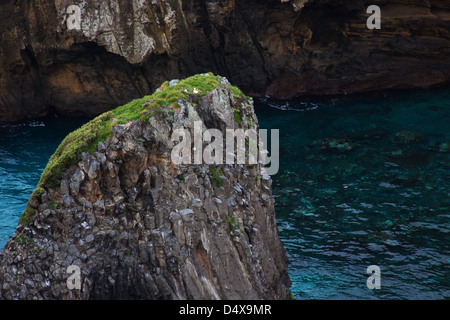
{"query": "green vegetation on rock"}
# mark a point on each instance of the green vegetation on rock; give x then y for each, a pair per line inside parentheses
(84, 139)
(216, 176)
(161, 104)
(237, 117)
(234, 225)
(27, 215)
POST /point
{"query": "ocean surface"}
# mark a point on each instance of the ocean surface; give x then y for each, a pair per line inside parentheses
(25, 149)
(364, 180)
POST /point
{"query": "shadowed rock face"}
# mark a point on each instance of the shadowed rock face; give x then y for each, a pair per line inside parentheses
(140, 227)
(125, 49)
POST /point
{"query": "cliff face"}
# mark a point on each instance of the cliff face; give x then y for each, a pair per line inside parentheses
(103, 54)
(139, 226)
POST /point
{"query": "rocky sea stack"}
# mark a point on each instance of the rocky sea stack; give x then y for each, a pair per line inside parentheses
(112, 203)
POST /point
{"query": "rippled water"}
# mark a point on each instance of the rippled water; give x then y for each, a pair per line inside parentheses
(24, 152)
(364, 180)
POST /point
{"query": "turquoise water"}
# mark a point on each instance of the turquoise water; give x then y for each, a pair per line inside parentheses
(24, 152)
(364, 180)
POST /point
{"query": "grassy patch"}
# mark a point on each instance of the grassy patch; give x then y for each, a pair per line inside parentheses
(161, 104)
(85, 139)
(27, 215)
(54, 204)
(37, 193)
(237, 117)
(233, 224)
(23, 240)
(237, 93)
(216, 176)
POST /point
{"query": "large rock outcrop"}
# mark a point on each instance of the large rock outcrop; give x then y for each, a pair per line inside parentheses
(120, 49)
(139, 226)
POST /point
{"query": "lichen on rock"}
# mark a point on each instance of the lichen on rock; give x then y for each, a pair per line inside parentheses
(138, 226)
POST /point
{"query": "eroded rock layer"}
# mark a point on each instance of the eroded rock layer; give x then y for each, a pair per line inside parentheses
(86, 61)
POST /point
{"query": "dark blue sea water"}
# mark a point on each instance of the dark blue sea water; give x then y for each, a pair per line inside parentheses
(364, 180)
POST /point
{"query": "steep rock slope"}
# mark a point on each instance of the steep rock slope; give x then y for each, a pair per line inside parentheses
(140, 227)
(86, 61)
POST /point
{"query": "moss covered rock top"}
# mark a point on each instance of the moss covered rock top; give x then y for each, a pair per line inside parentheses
(141, 225)
(164, 102)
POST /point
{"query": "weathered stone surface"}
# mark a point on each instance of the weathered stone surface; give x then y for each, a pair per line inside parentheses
(141, 227)
(125, 49)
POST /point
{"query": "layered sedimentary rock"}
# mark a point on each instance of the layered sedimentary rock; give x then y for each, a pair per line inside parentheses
(85, 57)
(138, 226)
